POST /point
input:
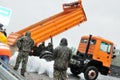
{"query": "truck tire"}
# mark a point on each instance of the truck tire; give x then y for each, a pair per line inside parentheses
(75, 71)
(48, 56)
(91, 73)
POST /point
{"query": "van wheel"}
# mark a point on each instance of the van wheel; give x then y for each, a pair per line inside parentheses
(91, 73)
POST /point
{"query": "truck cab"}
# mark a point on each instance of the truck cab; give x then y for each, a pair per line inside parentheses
(100, 49)
(94, 55)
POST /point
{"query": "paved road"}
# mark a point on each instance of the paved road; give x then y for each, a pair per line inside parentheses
(35, 76)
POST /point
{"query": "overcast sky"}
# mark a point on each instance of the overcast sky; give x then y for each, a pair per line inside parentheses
(103, 18)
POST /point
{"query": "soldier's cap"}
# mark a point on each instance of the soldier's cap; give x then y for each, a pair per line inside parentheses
(63, 42)
(28, 33)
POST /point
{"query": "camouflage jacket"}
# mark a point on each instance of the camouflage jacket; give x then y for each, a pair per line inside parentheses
(25, 43)
(62, 55)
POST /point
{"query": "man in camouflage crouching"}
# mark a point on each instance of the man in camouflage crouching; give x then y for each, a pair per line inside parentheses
(24, 44)
(62, 55)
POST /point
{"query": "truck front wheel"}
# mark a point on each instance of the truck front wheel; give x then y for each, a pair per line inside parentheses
(91, 73)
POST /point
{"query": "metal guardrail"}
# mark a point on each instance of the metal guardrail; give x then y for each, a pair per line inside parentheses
(8, 73)
(5, 75)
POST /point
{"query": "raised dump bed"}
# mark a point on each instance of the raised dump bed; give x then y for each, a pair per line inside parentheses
(72, 14)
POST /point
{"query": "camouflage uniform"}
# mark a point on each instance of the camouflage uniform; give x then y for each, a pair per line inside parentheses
(62, 55)
(24, 44)
(50, 47)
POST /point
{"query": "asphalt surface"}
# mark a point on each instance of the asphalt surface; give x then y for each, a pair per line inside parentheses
(115, 75)
(35, 76)
(115, 71)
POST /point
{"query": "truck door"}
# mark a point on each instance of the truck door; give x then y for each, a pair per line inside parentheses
(105, 51)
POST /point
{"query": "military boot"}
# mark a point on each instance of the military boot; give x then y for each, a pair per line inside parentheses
(23, 72)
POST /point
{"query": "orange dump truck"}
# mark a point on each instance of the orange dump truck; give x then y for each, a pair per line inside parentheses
(94, 53)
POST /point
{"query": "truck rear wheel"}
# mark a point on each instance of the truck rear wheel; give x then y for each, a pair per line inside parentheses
(75, 71)
(48, 56)
(91, 73)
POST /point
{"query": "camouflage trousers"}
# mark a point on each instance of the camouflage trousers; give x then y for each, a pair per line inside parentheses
(59, 75)
(22, 57)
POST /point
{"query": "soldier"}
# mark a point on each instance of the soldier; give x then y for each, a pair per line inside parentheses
(50, 47)
(24, 44)
(1, 26)
(43, 46)
(62, 55)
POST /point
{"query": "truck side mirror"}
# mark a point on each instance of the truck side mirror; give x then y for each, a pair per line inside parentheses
(114, 56)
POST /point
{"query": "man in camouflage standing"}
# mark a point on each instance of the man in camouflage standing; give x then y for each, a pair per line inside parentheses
(24, 44)
(62, 55)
